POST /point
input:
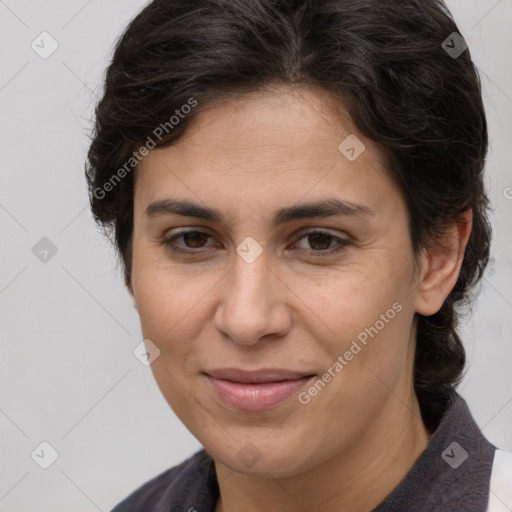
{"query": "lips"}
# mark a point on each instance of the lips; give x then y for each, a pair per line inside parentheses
(255, 390)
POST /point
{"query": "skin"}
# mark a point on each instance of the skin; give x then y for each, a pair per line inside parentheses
(294, 307)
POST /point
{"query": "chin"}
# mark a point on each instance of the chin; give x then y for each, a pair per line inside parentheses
(263, 457)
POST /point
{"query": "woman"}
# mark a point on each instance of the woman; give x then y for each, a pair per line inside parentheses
(295, 189)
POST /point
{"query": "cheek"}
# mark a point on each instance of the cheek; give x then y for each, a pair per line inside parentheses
(172, 303)
(347, 302)
(368, 312)
(156, 296)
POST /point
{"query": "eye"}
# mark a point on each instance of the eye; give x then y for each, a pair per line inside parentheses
(321, 242)
(193, 239)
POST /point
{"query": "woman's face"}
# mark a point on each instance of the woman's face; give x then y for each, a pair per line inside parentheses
(253, 288)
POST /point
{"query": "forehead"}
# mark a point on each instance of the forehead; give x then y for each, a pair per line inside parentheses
(277, 145)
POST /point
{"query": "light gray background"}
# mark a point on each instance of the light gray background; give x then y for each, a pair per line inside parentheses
(68, 327)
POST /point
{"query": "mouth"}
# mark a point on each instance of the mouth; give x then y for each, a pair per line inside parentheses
(256, 390)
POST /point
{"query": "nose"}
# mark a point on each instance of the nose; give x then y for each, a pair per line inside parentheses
(252, 303)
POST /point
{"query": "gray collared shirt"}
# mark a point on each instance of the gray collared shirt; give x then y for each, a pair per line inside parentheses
(451, 475)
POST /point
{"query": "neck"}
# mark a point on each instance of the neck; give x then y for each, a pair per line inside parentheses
(358, 478)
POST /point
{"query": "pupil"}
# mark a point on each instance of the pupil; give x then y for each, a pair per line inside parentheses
(194, 238)
(316, 239)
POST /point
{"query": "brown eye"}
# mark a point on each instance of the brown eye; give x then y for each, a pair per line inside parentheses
(320, 241)
(188, 242)
(195, 239)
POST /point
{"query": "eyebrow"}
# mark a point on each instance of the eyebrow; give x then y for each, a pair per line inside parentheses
(325, 208)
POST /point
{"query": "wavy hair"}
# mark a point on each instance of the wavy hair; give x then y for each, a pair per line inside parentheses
(385, 61)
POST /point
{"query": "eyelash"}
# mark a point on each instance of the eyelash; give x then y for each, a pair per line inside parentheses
(342, 243)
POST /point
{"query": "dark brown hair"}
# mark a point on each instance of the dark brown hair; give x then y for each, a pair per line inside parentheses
(387, 63)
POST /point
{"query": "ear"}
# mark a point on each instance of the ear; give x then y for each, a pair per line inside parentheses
(440, 266)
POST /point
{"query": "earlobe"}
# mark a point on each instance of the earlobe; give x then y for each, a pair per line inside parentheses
(441, 264)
